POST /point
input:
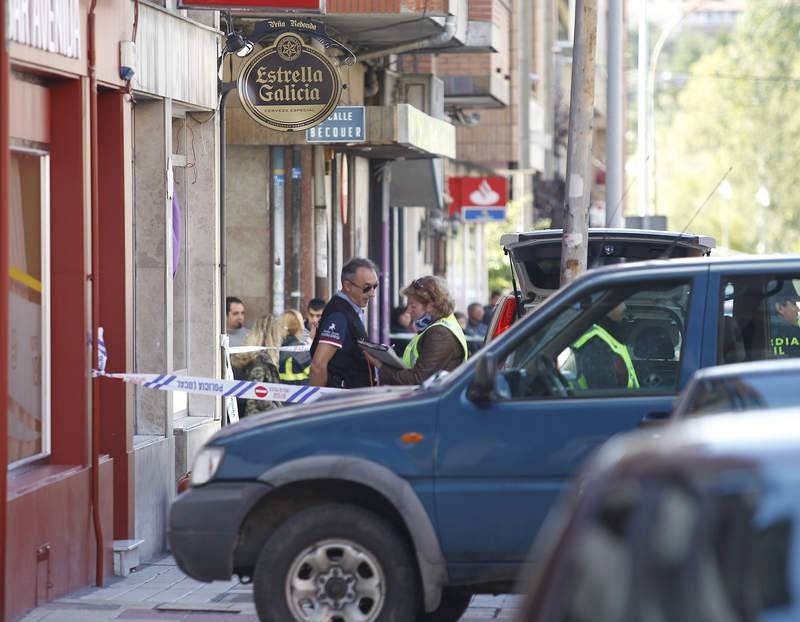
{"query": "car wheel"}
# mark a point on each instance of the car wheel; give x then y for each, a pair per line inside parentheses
(337, 563)
(451, 608)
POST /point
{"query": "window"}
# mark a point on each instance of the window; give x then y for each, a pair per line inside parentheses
(28, 308)
(611, 342)
(759, 318)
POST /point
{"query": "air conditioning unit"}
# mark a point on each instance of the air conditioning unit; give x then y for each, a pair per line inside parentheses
(423, 91)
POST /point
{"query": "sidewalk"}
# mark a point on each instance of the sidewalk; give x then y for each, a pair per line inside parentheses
(160, 591)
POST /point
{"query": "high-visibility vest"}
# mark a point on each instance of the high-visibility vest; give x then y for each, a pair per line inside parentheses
(288, 374)
(618, 348)
(411, 353)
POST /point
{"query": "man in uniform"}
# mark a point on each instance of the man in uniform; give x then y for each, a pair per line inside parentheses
(603, 360)
(784, 329)
(336, 359)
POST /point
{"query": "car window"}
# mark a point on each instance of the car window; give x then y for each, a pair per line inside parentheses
(610, 342)
(759, 318)
(709, 397)
(743, 394)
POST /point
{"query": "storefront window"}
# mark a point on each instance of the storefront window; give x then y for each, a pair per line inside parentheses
(28, 308)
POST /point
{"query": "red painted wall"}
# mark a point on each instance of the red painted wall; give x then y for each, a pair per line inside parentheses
(49, 506)
(115, 436)
(50, 548)
(68, 252)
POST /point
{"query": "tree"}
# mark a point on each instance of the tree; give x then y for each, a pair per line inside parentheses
(740, 108)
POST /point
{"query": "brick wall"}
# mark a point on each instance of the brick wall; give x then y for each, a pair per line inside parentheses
(434, 7)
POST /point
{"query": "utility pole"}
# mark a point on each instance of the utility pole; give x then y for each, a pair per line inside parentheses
(614, 101)
(574, 245)
(641, 122)
(524, 29)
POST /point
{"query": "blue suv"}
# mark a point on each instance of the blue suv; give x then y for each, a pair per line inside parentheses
(398, 504)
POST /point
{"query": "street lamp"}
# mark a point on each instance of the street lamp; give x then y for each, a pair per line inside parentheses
(763, 199)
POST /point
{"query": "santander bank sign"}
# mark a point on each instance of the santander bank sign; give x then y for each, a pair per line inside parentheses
(479, 198)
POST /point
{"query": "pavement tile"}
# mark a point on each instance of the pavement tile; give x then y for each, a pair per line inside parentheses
(160, 591)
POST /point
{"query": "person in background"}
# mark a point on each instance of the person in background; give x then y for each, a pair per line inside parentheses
(488, 310)
(401, 324)
(439, 343)
(294, 367)
(461, 318)
(336, 359)
(313, 314)
(475, 326)
(259, 366)
(235, 328)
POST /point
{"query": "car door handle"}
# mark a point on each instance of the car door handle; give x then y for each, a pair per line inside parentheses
(654, 419)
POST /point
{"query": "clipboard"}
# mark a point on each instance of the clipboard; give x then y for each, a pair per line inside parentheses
(385, 354)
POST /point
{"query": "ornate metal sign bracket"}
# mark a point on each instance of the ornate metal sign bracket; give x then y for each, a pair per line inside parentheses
(271, 28)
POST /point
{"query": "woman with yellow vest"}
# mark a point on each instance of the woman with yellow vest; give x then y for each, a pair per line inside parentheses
(439, 343)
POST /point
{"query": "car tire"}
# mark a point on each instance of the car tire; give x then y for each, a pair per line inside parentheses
(340, 558)
(452, 606)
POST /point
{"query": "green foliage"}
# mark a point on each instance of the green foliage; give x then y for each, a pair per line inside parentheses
(740, 108)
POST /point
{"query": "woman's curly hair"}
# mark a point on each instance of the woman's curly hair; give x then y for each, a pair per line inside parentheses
(432, 290)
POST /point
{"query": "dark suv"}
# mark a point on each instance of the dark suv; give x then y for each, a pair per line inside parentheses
(396, 505)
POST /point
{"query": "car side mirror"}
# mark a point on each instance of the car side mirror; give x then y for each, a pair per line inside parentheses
(482, 387)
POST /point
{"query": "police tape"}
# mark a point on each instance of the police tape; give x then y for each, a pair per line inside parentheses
(249, 349)
(243, 389)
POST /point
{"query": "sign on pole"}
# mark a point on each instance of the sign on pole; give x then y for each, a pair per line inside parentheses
(345, 125)
(479, 199)
(263, 6)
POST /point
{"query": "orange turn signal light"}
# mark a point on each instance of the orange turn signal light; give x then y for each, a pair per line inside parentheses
(411, 438)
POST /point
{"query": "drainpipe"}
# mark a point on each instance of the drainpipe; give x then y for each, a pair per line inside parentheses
(5, 77)
(321, 289)
(416, 44)
(386, 244)
(223, 261)
(95, 285)
(278, 224)
(297, 172)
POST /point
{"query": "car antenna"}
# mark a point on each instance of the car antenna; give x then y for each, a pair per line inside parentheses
(668, 253)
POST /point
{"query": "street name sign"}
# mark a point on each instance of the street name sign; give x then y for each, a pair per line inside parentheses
(345, 125)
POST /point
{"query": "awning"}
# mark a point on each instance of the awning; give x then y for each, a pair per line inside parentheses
(392, 132)
(403, 131)
(417, 183)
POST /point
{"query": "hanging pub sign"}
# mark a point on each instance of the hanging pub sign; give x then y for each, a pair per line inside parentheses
(289, 85)
(309, 6)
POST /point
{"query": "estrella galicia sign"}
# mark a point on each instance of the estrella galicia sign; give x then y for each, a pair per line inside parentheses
(289, 86)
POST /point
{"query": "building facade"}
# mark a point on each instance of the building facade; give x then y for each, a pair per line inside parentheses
(138, 194)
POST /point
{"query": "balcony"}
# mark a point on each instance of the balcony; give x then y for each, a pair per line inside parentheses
(478, 76)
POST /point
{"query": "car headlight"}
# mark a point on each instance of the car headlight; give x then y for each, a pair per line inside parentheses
(206, 464)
